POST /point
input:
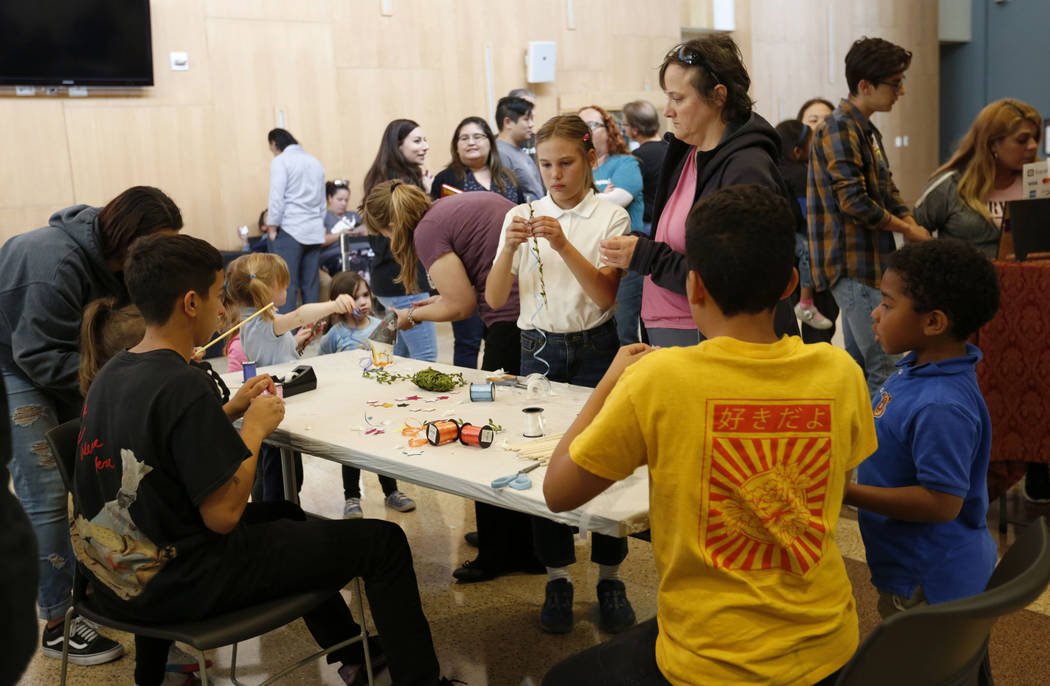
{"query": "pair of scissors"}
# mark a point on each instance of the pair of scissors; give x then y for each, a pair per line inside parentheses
(518, 481)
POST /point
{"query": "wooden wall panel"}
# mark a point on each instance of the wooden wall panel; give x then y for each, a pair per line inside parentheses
(168, 147)
(788, 54)
(35, 167)
(337, 69)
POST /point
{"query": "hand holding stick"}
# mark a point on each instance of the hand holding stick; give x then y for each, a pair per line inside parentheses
(242, 323)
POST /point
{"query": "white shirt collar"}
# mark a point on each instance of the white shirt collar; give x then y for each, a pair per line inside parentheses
(585, 208)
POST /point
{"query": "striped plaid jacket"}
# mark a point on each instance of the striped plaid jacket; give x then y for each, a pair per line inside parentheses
(850, 196)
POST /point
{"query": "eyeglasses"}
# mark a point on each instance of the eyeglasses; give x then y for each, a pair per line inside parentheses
(592, 125)
(694, 58)
(476, 137)
(895, 85)
(340, 183)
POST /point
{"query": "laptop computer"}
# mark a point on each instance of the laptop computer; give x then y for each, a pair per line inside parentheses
(1030, 225)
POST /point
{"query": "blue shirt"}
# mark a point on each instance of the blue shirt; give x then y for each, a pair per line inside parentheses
(297, 203)
(934, 431)
(261, 345)
(341, 337)
(623, 172)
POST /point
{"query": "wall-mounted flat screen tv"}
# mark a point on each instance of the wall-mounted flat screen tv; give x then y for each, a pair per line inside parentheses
(81, 43)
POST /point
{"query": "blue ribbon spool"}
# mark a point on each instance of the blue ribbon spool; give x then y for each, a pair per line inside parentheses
(482, 392)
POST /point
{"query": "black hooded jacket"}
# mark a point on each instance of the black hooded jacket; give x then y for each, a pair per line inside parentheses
(47, 278)
(747, 154)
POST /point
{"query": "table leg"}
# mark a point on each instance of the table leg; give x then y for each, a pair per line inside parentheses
(291, 489)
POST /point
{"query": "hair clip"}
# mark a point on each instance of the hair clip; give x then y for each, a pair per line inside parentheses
(394, 184)
(251, 276)
(586, 137)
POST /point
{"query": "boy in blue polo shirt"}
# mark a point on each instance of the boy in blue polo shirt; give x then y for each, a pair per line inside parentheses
(923, 495)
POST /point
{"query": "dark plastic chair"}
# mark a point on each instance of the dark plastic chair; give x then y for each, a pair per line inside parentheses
(947, 644)
(206, 634)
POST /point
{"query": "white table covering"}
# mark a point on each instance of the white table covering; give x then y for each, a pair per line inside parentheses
(331, 422)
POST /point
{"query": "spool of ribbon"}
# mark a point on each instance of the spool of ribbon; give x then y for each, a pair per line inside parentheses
(480, 436)
(442, 431)
(533, 422)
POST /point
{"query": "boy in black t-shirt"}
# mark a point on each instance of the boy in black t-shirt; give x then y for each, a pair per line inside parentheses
(161, 520)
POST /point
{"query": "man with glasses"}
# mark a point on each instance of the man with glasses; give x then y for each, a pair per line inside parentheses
(853, 206)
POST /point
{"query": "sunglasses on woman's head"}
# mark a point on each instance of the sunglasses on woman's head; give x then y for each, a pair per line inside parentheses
(693, 57)
(340, 183)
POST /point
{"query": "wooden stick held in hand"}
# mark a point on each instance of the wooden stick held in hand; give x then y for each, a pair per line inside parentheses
(242, 323)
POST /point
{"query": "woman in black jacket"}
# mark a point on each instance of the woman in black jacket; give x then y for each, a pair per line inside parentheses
(718, 141)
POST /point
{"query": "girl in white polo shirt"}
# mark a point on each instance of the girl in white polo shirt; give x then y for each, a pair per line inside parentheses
(567, 329)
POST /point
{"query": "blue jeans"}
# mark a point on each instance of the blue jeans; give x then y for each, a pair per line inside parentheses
(468, 334)
(805, 273)
(421, 341)
(39, 486)
(304, 261)
(629, 309)
(579, 358)
(856, 301)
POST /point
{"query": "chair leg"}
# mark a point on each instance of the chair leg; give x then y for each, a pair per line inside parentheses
(65, 644)
(359, 596)
(1003, 521)
(202, 662)
(233, 666)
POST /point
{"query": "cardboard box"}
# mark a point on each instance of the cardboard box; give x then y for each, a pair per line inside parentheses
(1036, 180)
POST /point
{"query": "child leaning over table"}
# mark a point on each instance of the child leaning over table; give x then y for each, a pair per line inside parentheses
(923, 496)
(350, 331)
(749, 441)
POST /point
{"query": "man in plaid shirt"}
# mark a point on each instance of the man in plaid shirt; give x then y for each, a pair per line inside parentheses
(853, 206)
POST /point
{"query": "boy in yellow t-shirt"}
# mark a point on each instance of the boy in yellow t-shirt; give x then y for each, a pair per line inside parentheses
(749, 441)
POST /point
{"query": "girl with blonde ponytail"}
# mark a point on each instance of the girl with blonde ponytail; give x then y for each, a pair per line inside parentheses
(252, 282)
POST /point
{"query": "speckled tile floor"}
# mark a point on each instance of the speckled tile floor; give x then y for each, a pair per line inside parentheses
(488, 634)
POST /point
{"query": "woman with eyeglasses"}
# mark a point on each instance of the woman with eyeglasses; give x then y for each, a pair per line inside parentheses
(475, 166)
(402, 154)
(717, 141)
(618, 178)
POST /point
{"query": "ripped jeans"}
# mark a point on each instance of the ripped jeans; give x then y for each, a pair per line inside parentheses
(39, 486)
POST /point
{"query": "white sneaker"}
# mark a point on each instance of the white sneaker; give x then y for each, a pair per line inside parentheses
(352, 509)
(812, 317)
(400, 502)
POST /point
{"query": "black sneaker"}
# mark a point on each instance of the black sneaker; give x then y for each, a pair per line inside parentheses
(86, 646)
(556, 615)
(614, 610)
(1037, 483)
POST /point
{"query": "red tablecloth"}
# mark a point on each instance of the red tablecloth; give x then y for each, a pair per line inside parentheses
(1015, 372)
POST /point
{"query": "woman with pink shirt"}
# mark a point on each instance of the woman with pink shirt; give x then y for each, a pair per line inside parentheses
(718, 141)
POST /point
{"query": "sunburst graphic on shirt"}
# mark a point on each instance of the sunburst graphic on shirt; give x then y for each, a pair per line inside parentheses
(769, 465)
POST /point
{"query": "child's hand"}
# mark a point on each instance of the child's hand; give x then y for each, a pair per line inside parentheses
(618, 251)
(198, 354)
(343, 304)
(625, 357)
(549, 228)
(264, 413)
(251, 389)
(517, 233)
(303, 337)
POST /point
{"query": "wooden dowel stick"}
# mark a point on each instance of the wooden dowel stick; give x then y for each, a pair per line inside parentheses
(242, 323)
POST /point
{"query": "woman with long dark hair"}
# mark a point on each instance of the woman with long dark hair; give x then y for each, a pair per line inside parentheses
(402, 154)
